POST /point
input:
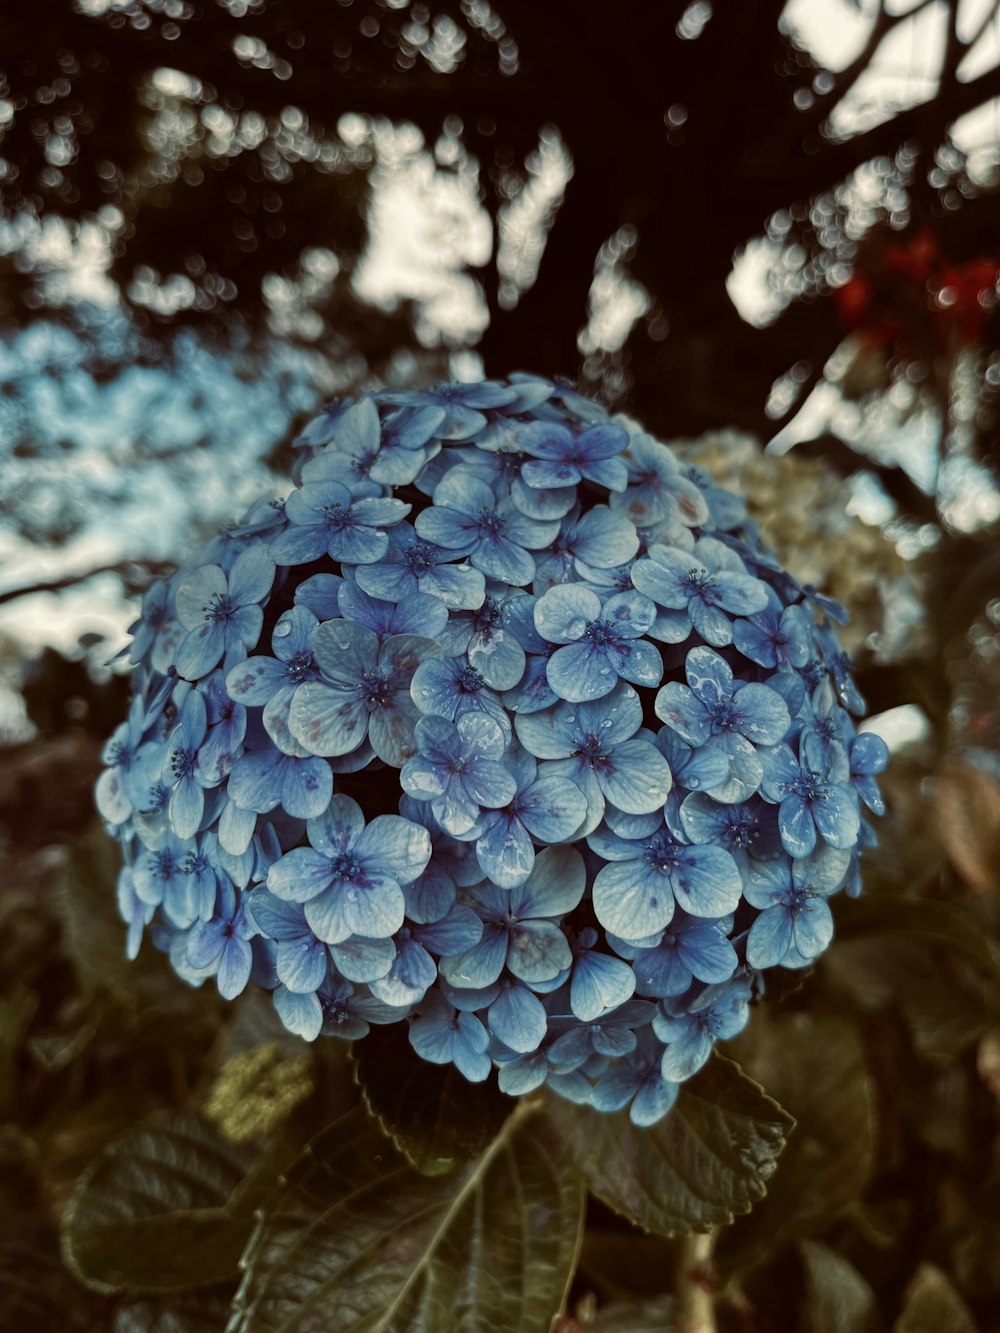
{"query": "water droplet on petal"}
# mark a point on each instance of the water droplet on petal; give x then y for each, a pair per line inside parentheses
(576, 627)
(604, 671)
(282, 629)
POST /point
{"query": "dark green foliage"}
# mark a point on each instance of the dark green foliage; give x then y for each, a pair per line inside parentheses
(155, 1211)
(707, 1161)
(356, 1238)
(435, 1116)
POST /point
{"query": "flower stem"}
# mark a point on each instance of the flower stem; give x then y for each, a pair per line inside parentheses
(696, 1284)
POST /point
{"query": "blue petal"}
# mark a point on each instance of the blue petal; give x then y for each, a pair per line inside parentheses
(518, 1018)
(796, 826)
(678, 707)
(306, 786)
(374, 908)
(555, 887)
(300, 875)
(552, 809)
(201, 650)
(301, 1014)
(481, 965)
(523, 1074)
(251, 576)
(538, 951)
(631, 901)
(328, 721)
(505, 852)
(685, 1056)
(320, 594)
(469, 1049)
(236, 828)
(393, 846)
(276, 917)
(487, 782)
(709, 883)
(187, 805)
(302, 964)
(391, 727)
(344, 651)
(252, 784)
(652, 1102)
(812, 927)
(361, 960)
(599, 983)
(770, 937)
(563, 613)
(637, 779)
(765, 719)
(837, 817)
(455, 933)
(234, 968)
(581, 671)
(708, 953)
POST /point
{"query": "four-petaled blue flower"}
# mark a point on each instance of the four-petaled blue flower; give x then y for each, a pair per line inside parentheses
(719, 1012)
(457, 768)
(549, 809)
(325, 518)
(815, 797)
(467, 519)
(224, 944)
(595, 746)
(635, 893)
(794, 913)
(603, 641)
(701, 589)
(411, 564)
(561, 457)
(350, 876)
(221, 612)
(363, 692)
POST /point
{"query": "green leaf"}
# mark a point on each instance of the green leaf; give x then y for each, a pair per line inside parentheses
(706, 1161)
(93, 933)
(36, 1292)
(185, 1312)
(967, 815)
(932, 1305)
(815, 1066)
(94, 937)
(17, 1010)
(358, 1239)
(432, 1114)
(945, 1004)
(838, 1299)
(944, 926)
(152, 1212)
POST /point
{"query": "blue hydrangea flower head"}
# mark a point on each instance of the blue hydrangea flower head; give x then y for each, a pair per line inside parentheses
(501, 724)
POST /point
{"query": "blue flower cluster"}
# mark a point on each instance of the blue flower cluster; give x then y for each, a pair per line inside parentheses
(503, 724)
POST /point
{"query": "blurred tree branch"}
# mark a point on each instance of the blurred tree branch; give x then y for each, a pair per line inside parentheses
(126, 571)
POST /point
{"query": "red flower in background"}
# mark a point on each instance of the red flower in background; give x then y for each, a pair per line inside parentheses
(910, 298)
